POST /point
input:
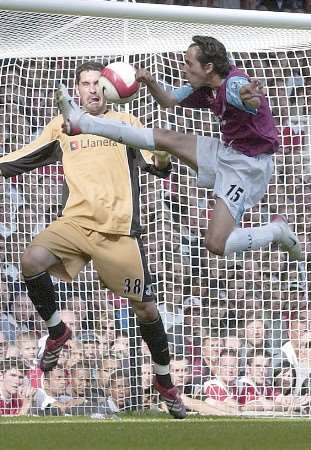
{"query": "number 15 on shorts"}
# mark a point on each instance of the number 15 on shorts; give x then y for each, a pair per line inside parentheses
(234, 193)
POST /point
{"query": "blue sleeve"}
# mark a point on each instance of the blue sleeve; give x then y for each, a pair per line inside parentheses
(183, 92)
(233, 87)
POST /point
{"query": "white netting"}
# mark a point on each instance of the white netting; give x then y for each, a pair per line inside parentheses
(212, 307)
(46, 35)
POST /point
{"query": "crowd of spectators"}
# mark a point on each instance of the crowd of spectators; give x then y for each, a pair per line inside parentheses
(296, 6)
(239, 328)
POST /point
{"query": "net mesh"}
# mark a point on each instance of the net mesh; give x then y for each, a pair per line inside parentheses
(238, 327)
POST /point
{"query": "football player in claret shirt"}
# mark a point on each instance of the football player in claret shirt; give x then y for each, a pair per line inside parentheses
(16, 393)
(238, 167)
(100, 222)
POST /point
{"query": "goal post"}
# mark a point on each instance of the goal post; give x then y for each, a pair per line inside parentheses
(161, 12)
(216, 310)
(147, 27)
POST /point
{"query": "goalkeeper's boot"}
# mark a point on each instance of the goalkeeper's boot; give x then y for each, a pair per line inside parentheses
(288, 240)
(53, 348)
(172, 399)
(70, 111)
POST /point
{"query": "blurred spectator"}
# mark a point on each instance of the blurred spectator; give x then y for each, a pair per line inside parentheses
(254, 335)
(293, 399)
(19, 315)
(90, 347)
(73, 321)
(26, 343)
(52, 398)
(120, 346)
(105, 328)
(221, 391)
(150, 398)
(223, 385)
(211, 348)
(255, 391)
(75, 354)
(86, 399)
(181, 373)
(4, 291)
(119, 390)
(108, 365)
(280, 5)
(284, 378)
(80, 381)
(16, 393)
(147, 381)
(3, 346)
(297, 349)
(194, 325)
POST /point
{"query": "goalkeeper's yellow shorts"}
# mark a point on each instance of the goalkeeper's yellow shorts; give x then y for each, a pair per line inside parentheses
(119, 260)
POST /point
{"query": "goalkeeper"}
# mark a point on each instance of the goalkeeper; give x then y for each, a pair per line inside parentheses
(238, 169)
(100, 222)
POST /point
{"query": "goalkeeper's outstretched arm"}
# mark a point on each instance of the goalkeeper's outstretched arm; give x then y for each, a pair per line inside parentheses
(44, 150)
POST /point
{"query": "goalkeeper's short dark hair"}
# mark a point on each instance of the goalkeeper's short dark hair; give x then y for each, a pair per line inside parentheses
(212, 51)
(89, 65)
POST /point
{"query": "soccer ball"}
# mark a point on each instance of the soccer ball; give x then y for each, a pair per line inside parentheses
(118, 81)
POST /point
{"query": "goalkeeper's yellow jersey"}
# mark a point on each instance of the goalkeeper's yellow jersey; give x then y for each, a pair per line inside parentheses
(101, 188)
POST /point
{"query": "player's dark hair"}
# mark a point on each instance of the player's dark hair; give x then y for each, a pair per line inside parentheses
(87, 66)
(212, 51)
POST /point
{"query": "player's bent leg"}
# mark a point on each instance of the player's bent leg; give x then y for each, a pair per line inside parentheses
(35, 262)
(219, 228)
(36, 259)
(77, 121)
(153, 333)
(181, 145)
(254, 238)
(223, 237)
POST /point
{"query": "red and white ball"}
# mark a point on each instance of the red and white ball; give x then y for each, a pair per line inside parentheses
(119, 83)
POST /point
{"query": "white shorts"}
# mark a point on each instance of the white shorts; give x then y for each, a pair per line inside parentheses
(240, 180)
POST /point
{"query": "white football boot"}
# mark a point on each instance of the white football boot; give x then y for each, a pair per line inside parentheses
(70, 110)
(288, 240)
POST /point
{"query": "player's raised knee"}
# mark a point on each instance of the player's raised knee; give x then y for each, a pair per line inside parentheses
(34, 260)
(214, 245)
(167, 139)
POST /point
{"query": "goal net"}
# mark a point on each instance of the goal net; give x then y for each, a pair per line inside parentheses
(238, 327)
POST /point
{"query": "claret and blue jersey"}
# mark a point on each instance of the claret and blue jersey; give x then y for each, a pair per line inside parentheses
(247, 130)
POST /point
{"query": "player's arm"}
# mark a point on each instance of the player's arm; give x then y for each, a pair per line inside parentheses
(42, 151)
(244, 94)
(251, 94)
(163, 97)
